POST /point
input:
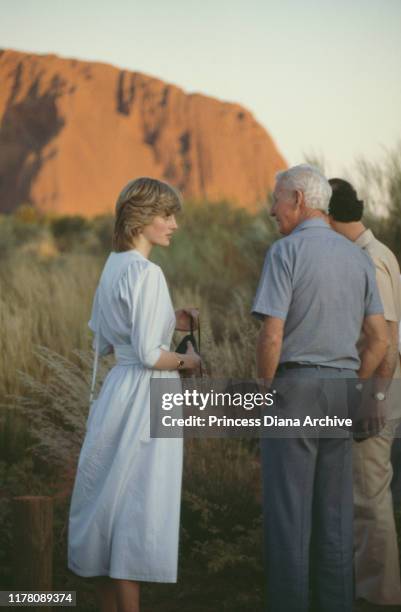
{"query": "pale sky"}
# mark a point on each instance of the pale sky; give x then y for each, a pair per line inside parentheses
(323, 77)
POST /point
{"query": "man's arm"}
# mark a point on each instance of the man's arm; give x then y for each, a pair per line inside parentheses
(377, 344)
(387, 293)
(269, 345)
(387, 367)
(373, 358)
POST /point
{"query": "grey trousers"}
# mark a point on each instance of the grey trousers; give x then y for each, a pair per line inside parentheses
(307, 499)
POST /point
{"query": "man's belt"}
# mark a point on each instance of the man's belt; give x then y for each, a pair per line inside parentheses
(289, 365)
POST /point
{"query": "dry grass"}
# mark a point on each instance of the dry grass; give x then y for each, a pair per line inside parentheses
(43, 303)
(50, 387)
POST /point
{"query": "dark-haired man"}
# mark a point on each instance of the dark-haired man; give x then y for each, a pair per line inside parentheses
(377, 571)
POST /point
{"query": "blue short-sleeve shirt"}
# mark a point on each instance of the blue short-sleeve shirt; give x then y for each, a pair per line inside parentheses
(323, 286)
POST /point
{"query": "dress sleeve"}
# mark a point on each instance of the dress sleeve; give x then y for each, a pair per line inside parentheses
(150, 312)
(104, 346)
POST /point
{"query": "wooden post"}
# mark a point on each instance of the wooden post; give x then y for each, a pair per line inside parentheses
(33, 543)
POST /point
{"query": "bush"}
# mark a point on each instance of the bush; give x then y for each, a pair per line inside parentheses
(380, 187)
(71, 233)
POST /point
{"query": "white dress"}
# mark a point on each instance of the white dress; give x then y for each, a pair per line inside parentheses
(125, 506)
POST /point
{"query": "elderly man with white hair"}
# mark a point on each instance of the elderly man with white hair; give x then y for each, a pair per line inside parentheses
(316, 291)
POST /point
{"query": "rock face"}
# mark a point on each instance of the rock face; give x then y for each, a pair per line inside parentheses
(72, 133)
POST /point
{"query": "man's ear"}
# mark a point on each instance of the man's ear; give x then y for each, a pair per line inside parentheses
(299, 200)
(331, 221)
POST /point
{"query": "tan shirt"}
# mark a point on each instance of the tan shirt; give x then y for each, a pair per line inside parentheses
(387, 277)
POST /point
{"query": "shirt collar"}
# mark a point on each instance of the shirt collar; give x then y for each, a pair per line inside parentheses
(364, 239)
(309, 223)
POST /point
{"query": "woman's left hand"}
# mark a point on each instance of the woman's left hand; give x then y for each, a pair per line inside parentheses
(183, 319)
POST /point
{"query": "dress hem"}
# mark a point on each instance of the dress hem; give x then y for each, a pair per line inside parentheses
(137, 577)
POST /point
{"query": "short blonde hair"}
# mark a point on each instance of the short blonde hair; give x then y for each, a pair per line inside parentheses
(138, 203)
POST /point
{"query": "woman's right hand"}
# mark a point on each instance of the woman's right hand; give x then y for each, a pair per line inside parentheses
(191, 359)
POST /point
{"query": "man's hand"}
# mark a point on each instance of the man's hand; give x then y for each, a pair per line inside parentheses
(373, 419)
(264, 385)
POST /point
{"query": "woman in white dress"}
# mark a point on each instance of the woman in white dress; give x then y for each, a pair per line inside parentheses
(125, 506)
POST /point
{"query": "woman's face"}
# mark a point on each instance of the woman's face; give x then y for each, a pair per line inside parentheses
(160, 230)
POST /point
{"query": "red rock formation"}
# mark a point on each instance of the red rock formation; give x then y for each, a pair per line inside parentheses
(72, 133)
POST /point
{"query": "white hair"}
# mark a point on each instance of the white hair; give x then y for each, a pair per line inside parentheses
(311, 182)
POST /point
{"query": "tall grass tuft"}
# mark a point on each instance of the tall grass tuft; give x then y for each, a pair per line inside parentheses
(380, 187)
(42, 303)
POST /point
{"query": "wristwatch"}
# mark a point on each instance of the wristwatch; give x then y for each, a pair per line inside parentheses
(379, 396)
(180, 364)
